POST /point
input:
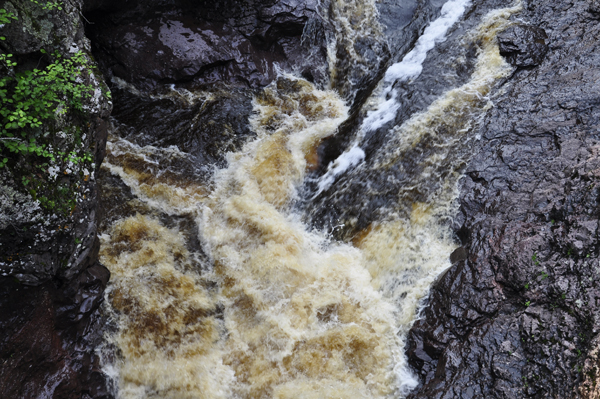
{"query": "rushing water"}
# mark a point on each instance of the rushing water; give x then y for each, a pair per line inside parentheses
(266, 306)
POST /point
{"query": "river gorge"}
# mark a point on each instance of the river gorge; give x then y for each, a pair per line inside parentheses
(313, 199)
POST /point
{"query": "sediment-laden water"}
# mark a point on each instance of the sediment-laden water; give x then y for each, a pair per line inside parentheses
(268, 306)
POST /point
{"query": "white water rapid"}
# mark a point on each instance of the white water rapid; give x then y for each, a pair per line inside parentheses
(274, 309)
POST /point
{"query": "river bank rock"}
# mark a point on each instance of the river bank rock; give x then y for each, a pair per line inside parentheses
(52, 283)
(47, 215)
(149, 44)
(47, 334)
(519, 317)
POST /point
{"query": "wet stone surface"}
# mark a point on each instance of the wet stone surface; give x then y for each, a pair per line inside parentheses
(519, 317)
(206, 125)
(46, 333)
(523, 45)
(235, 42)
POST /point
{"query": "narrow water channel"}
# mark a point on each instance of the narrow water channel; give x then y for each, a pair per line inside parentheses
(269, 301)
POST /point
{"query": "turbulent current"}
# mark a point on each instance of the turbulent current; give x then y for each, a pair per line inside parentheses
(270, 306)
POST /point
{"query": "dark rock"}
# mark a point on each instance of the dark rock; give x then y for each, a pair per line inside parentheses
(594, 7)
(48, 335)
(206, 127)
(25, 35)
(52, 285)
(459, 254)
(237, 42)
(108, 5)
(523, 45)
(519, 317)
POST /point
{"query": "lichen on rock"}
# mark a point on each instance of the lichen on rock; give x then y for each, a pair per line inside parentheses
(51, 283)
(48, 217)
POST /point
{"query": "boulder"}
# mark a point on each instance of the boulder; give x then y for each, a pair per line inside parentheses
(229, 42)
(523, 45)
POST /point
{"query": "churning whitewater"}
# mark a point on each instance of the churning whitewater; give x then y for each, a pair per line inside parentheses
(272, 308)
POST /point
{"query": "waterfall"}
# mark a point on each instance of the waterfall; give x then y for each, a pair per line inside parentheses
(268, 306)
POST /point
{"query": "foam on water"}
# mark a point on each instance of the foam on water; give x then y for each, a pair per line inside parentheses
(301, 314)
(168, 332)
(159, 176)
(355, 21)
(279, 311)
(454, 113)
(405, 255)
(409, 68)
(411, 65)
(350, 158)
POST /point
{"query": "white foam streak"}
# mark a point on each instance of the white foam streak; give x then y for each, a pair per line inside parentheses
(411, 66)
(385, 113)
(347, 160)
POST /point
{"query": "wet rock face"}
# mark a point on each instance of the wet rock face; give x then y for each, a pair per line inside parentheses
(45, 333)
(523, 45)
(236, 42)
(519, 316)
(57, 29)
(51, 285)
(595, 7)
(206, 127)
(39, 243)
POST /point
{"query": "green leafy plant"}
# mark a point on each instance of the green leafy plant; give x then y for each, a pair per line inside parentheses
(32, 103)
(6, 18)
(31, 99)
(28, 99)
(49, 5)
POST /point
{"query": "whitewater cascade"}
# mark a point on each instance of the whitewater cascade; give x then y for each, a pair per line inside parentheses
(271, 307)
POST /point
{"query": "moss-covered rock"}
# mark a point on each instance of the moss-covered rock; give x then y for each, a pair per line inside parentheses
(47, 217)
(51, 284)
